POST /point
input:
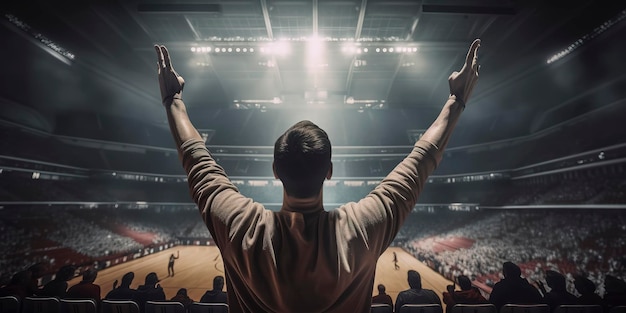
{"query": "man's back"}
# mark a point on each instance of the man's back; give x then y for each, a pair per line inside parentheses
(514, 290)
(303, 258)
(416, 296)
(214, 296)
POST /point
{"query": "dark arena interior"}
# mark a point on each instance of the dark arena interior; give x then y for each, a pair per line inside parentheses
(534, 173)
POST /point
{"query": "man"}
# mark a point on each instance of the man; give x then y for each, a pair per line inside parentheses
(303, 258)
(149, 291)
(182, 297)
(86, 289)
(513, 288)
(58, 286)
(416, 294)
(123, 292)
(467, 295)
(558, 293)
(587, 290)
(170, 264)
(382, 297)
(217, 295)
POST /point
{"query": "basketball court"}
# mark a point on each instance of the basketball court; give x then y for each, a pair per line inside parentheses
(197, 266)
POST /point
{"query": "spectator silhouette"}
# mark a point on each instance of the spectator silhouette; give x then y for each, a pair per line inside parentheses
(19, 286)
(217, 294)
(614, 291)
(415, 294)
(513, 289)
(150, 291)
(86, 289)
(182, 297)
(123, 292)
(587, 290)
(468, 294)
(58, 286)
(558, 294)
(37, 270)
(382, 297)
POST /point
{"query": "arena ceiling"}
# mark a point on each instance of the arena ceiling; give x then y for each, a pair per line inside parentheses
(97, 57)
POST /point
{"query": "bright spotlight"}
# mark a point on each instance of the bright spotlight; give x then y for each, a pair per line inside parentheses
(193, 49)
(281, 48)
(238, 49)
(365, 50)
(377, 49)
(251, 50)
(230, 49)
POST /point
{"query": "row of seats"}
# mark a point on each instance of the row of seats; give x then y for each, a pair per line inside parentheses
(490, 308)
(11, 304)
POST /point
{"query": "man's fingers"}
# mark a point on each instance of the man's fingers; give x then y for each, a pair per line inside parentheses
(166, 57)
(159, 56)
(471, 54)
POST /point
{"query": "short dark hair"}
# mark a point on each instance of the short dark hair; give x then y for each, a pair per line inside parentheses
(464, 282)
(218, 283)
(127, 279)
(415, 280)
(65, 273)
(302, 159)
(555, 280)
(584, 285)
(90, 275)
(510, 270)
(381, 288)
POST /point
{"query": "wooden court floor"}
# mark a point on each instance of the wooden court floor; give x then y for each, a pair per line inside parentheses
(197, 266)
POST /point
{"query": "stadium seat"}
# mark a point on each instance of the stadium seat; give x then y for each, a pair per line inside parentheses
(9, 304)
(198, 307)
(618, 309)
(578, 308)
(78, 306)
(119, 306)
(525, 308)
(474, 308)
(421, 308)
(381, 308)
(164, 307)
(41, 305)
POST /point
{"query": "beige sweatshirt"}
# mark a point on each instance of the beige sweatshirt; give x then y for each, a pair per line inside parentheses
(303, 259)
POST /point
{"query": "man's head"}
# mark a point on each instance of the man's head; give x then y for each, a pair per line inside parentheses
(218, 283)
(464, 282)
(151, 279)
(415, 280)
(555, 280)
(381, 289)
(511, 270)
(302, 159)
(584, 285)
(65, 273)
(90, 275)
(127, 279)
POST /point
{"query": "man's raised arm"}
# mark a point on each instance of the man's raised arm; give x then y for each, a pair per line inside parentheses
(171, 85)
(461, 86)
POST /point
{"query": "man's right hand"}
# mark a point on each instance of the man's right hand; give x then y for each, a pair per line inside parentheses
(170, 82)
(462, 82)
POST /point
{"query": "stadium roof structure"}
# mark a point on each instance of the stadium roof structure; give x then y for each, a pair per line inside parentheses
(355, 67)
